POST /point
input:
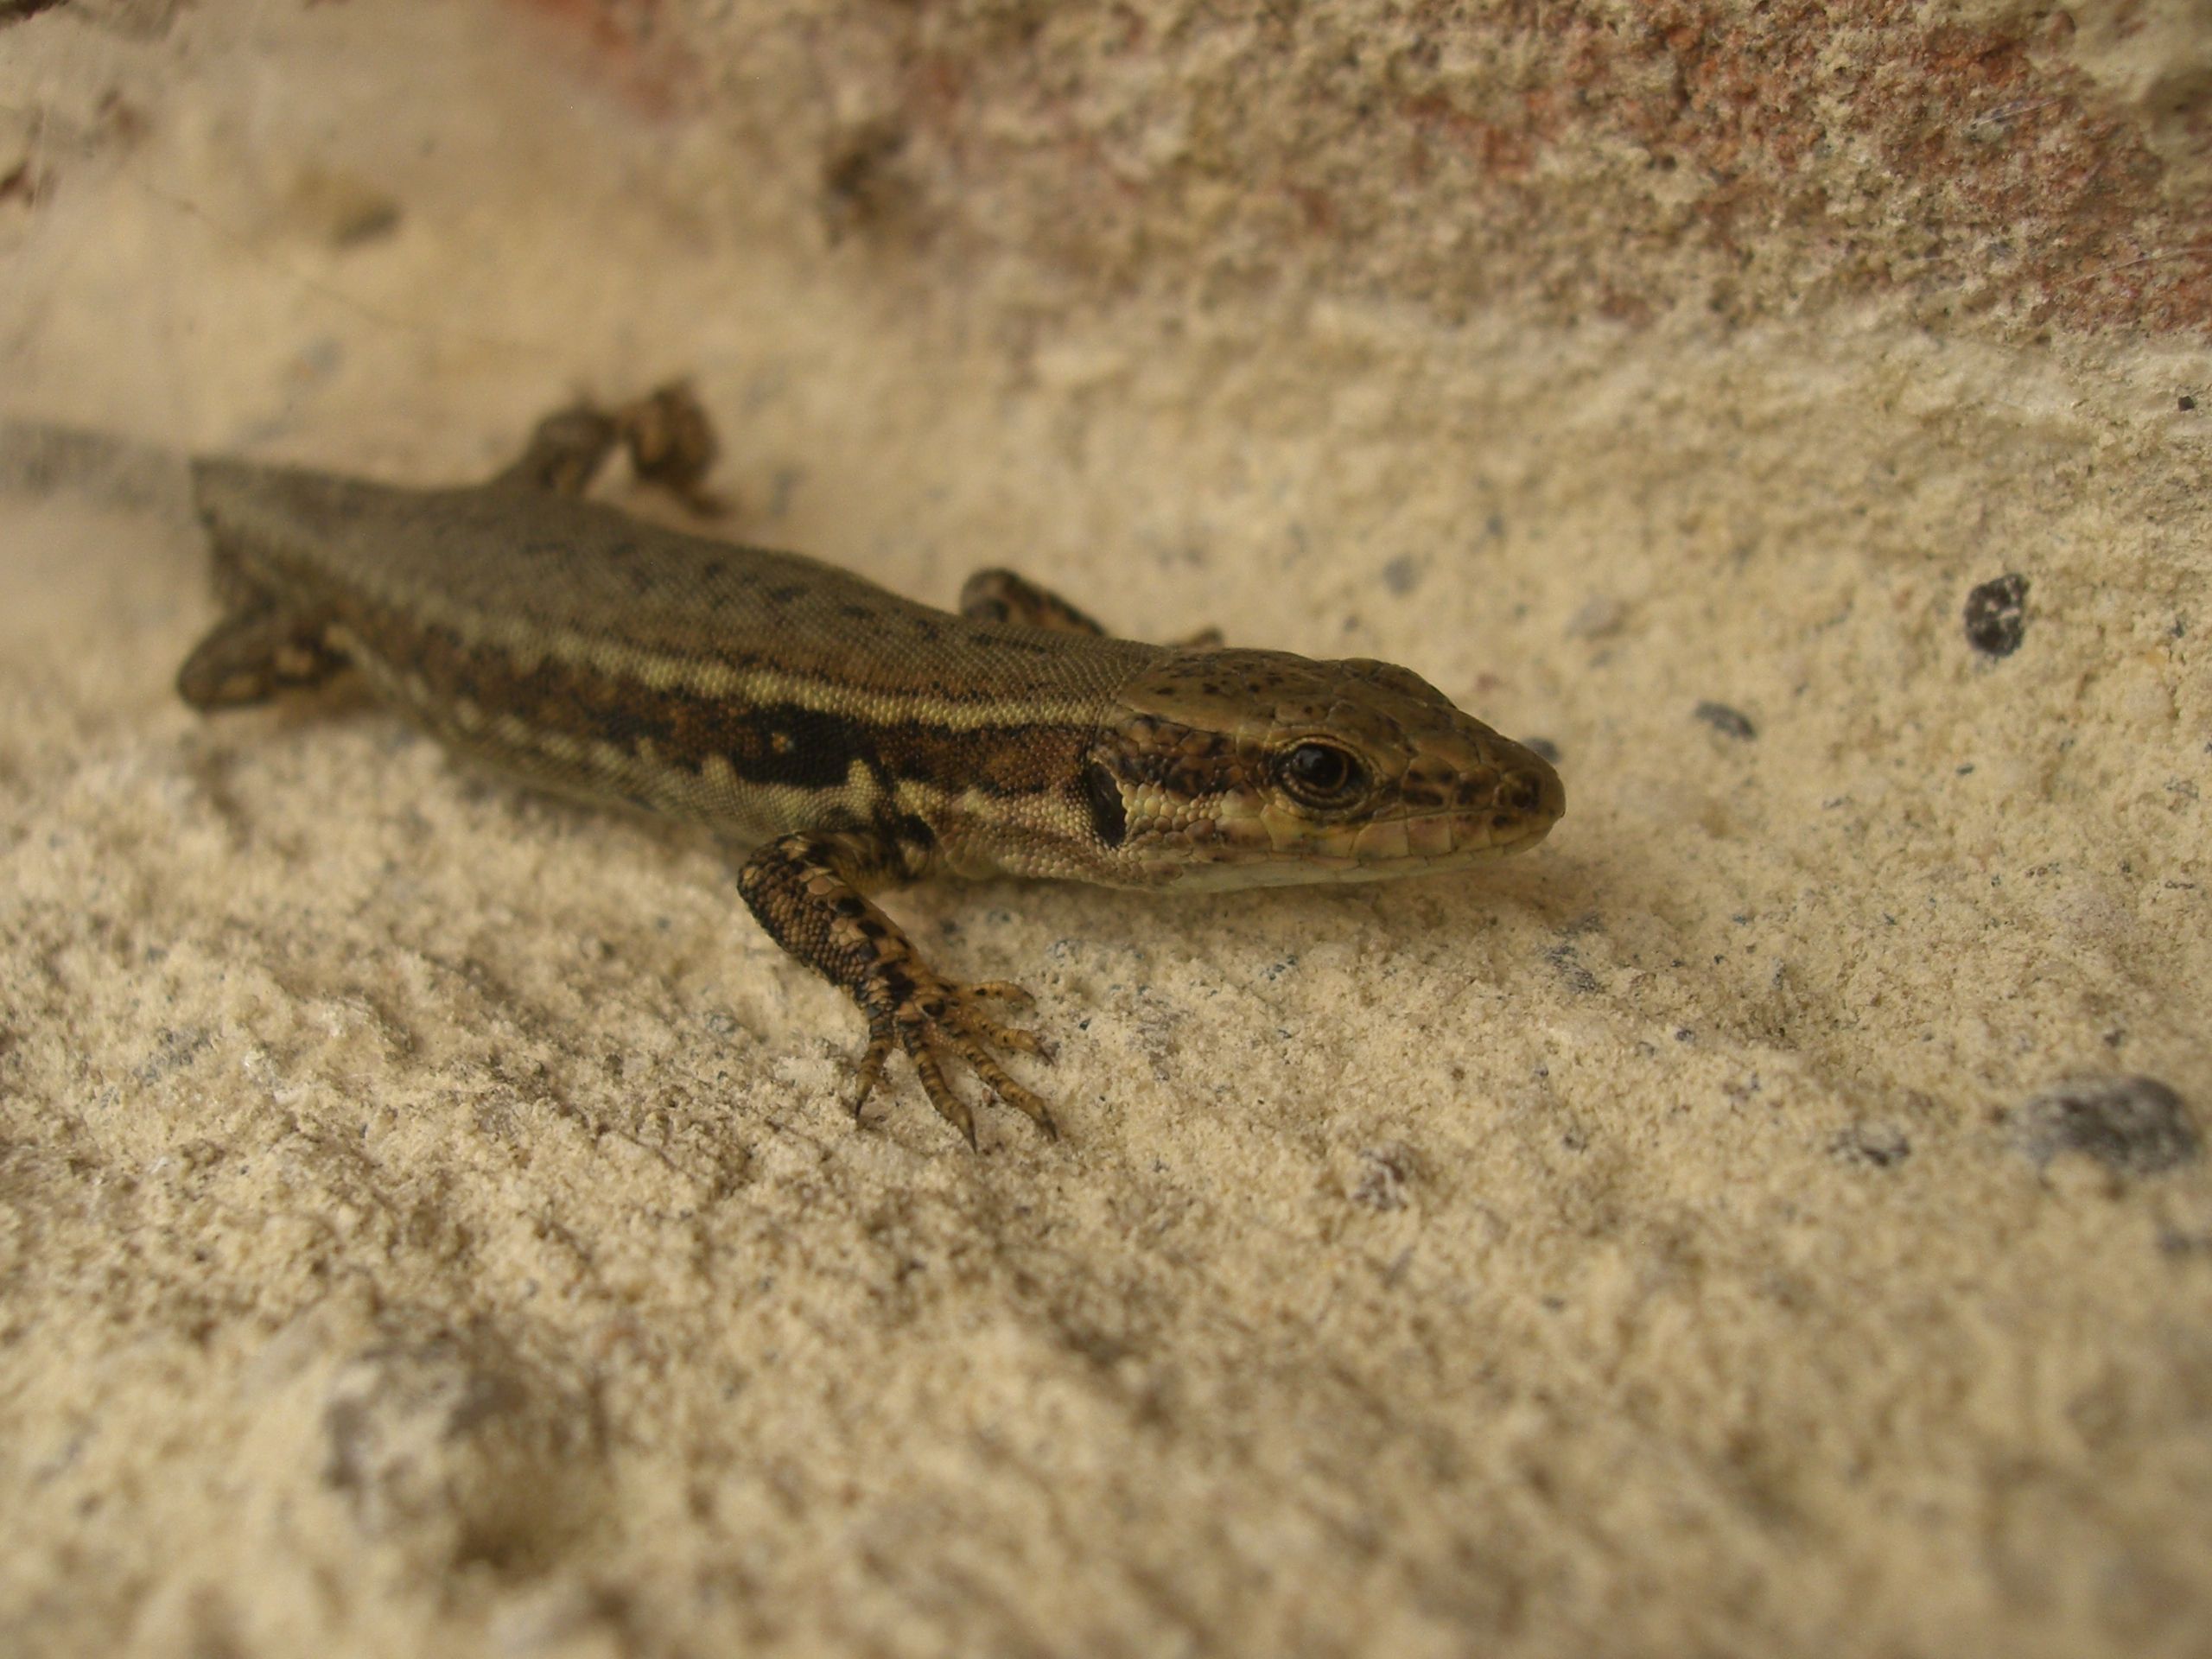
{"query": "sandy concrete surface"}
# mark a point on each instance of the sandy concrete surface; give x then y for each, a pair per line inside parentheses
(1769, 1219)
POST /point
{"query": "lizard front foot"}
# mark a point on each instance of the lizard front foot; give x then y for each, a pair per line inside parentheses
(805, 891)
(910, 1006)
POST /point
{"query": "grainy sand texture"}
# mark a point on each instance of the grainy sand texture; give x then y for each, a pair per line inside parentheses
(1769, 1219)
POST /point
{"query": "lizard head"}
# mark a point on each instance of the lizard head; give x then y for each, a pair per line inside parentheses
(1256, 768)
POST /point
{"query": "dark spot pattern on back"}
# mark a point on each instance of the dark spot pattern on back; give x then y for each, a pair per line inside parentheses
(785, 743)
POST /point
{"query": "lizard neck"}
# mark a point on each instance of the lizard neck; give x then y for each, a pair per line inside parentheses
(1000, 776)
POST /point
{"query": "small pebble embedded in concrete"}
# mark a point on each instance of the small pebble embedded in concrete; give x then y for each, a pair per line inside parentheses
(1729, 723)
(2132, 1125)
(1879, 1146)
(1600, 615)
(1579, 978)
(1997, 615)
(1385, 1174)
(1543, 749)
(1402, 575)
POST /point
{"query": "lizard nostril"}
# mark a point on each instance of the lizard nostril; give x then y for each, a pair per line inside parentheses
(1532, 794)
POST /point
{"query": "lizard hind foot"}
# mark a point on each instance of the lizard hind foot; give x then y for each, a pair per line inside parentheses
(671, 441)
(931, 1018)
(672, 445)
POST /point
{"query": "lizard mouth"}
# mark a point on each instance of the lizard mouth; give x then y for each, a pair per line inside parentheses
(1301, 854)
(1521, 807)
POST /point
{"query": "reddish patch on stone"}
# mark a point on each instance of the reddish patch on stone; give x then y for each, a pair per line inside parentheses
(1502, 149)
(1586, 160)
(626, 44)
(1990, 177)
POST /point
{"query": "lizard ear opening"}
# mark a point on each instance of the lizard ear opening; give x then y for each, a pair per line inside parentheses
(1102, 793)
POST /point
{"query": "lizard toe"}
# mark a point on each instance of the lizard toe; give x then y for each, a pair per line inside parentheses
(938, 1020)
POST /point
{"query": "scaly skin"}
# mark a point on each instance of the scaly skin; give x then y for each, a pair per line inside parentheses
(836, 737)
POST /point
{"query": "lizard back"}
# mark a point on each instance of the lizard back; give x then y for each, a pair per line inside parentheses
(755, 691)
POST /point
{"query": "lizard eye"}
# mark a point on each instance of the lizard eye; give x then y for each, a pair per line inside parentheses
(1321, 774)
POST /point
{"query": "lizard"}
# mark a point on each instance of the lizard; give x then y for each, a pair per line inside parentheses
(840, 739)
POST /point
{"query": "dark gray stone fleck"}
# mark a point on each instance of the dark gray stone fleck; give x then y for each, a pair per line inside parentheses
(1997, 615)
(1402, 575)
(2134, 1125)
(1577, 976)
(1878, 1145)
(1729, 723)
(1385, 1174)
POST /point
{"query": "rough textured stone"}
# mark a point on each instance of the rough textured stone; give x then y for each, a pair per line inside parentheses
(1996, 167)
(428, 1219)
(2136, 1126)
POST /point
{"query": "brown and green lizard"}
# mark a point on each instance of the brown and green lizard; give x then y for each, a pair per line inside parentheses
(838, 738)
